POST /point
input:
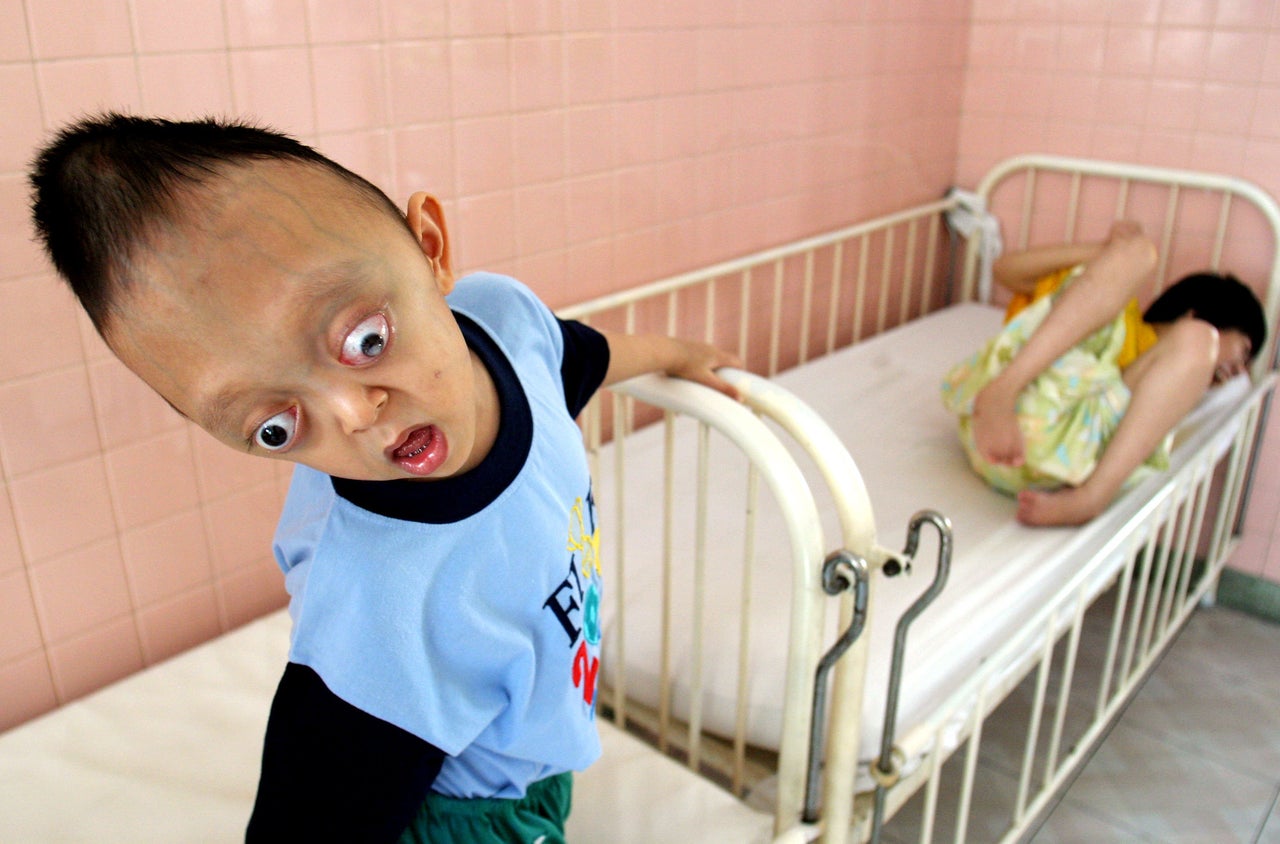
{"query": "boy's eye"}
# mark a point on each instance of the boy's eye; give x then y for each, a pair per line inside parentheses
(276, 434)
(366, 341)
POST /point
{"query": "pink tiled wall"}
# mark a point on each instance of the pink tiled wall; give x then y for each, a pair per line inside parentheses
(584, 145)
(1180, 83)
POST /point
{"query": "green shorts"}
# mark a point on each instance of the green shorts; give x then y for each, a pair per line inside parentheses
(536, 818)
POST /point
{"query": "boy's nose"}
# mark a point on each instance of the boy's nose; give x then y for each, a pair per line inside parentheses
(358, 407)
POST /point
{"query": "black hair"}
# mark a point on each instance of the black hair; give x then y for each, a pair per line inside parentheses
(104, 182)
(1219, 299)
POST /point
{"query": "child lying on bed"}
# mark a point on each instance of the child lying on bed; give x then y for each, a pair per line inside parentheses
(439, 540)
(1079, 391)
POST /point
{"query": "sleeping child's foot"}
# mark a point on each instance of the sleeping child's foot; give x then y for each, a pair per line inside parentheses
(1066, 506)
(995, 425)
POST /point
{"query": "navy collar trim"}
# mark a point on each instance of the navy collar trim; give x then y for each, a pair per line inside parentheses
(453, 499)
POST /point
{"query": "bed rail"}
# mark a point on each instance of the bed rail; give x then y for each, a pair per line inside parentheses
(819, 294)
(1157, 568)
(774, 465)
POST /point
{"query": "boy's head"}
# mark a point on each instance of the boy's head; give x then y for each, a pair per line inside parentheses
(105, 185)
(1219, 299)
(276, 299)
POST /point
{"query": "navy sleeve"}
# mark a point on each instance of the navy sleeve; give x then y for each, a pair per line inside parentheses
(585, 362)
(332, 772)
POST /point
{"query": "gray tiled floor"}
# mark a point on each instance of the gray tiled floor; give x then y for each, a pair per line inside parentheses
(1196, 756)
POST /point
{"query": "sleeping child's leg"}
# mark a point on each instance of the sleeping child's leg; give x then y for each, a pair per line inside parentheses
(1092, 300)
(1164, 383)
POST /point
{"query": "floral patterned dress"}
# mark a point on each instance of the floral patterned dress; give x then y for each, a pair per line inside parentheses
(1070, 411)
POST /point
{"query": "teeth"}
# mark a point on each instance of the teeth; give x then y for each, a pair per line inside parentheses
(421, 448)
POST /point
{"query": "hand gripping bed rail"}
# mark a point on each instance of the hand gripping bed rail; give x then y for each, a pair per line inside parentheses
(886, 769)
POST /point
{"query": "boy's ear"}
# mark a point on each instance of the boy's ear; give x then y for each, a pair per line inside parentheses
(426, 220)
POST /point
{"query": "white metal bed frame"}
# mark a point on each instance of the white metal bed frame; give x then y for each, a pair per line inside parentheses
(1179, 531)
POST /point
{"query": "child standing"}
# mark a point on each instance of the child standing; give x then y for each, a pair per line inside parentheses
(438, 540)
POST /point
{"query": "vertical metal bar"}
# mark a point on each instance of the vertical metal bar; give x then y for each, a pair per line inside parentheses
(806, 305)
(1162, 560)
(1221, 516)
(699, 600)
(1220, 236)
(1064, 689)
(1178, 555)
(1186, 548)
(744, 632)
(668, 566)
(1122, 200)
(930, 814)
(775, 322)
(860, 289)
(833, 304)
(1197, 524)
(1028, 195)
(908, 271)
(930, 263)
(1113, 640)
(970, 766)
(886, 269)
(1033, 728)
(709, 316)
(1166, 237)
(1139, 599)
(1073, 208)
(744, 319)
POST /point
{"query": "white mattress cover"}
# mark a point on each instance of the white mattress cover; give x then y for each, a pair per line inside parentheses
(882, 397)
(171, 754)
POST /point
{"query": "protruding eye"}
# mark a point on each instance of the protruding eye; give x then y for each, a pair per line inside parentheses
(276, 434)
(366, 341)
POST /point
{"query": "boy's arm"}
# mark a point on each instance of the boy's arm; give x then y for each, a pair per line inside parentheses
(635, 354)
(332, 772)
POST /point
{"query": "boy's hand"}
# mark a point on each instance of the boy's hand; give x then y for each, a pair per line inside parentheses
(635, 354)
(700, 364)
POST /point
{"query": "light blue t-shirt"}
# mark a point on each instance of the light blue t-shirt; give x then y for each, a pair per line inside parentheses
(465, 610)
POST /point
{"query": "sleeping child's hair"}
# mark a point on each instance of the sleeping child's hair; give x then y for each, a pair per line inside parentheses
(104, 183)
(1219, 299)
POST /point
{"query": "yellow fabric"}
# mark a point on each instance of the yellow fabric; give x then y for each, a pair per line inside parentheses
(1138, 335)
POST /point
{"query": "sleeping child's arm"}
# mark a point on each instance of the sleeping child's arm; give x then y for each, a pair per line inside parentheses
(1019, 271)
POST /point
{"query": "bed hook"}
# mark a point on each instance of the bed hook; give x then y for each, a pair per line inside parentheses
(841, 572)
(886, 769)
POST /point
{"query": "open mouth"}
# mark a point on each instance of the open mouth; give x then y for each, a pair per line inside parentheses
(422, 451)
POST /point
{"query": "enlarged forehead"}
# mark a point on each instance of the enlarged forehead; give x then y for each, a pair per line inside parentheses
(231, 274)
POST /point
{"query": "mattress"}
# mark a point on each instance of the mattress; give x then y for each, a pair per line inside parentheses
(882, 398)
(171, 754)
